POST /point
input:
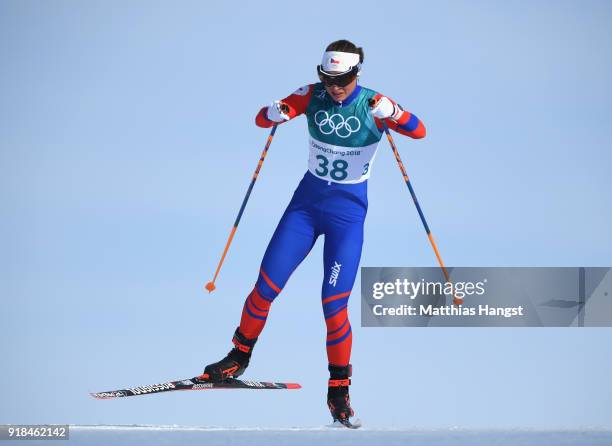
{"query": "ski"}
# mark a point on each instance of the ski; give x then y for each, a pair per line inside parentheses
(194, 384)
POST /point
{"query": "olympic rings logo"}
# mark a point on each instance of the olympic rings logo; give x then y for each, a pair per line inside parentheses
(336, 123)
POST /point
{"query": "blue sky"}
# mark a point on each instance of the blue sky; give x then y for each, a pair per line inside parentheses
(127, 142)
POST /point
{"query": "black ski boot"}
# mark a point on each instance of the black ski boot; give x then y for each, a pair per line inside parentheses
(234, 364)
(338, 399)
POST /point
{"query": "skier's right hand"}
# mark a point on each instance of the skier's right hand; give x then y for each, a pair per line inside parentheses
(277, 112)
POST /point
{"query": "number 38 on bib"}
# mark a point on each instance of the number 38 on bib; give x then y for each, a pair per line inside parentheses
(340, 164)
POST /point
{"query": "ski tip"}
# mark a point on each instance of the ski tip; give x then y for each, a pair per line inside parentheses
(210, 286)
(293, 386)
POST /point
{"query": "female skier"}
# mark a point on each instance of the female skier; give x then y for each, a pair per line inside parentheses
(345, 126)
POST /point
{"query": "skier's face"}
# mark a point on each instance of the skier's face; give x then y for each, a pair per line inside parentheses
(339, 94)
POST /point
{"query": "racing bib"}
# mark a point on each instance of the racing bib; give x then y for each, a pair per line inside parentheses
(343, 138)
(340, 164)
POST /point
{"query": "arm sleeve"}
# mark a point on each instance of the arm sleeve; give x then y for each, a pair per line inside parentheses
(406, 123)
(297, 102)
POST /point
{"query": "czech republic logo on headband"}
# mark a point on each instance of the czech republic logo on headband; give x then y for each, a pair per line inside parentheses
(338, 61)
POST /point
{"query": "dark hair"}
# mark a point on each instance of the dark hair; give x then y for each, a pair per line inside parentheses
(346, 46)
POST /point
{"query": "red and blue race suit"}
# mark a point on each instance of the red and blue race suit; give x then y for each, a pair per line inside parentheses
(331, 200)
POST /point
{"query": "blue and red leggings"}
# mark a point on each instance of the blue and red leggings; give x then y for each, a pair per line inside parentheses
(318, 207)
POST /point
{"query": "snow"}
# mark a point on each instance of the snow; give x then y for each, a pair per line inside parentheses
(135, 435)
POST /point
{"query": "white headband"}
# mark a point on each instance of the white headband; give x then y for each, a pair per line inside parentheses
(339, 61)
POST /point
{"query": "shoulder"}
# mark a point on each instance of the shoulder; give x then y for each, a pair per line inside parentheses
(368, 91)
(305, 90)
(317, 91)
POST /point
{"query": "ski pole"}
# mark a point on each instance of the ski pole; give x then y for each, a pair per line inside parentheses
(210, 286)
(456, 300)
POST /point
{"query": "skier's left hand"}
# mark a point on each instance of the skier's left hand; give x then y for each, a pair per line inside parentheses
(384, 108)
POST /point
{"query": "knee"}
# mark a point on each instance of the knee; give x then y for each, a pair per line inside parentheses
(266, 287)
(334, 308)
